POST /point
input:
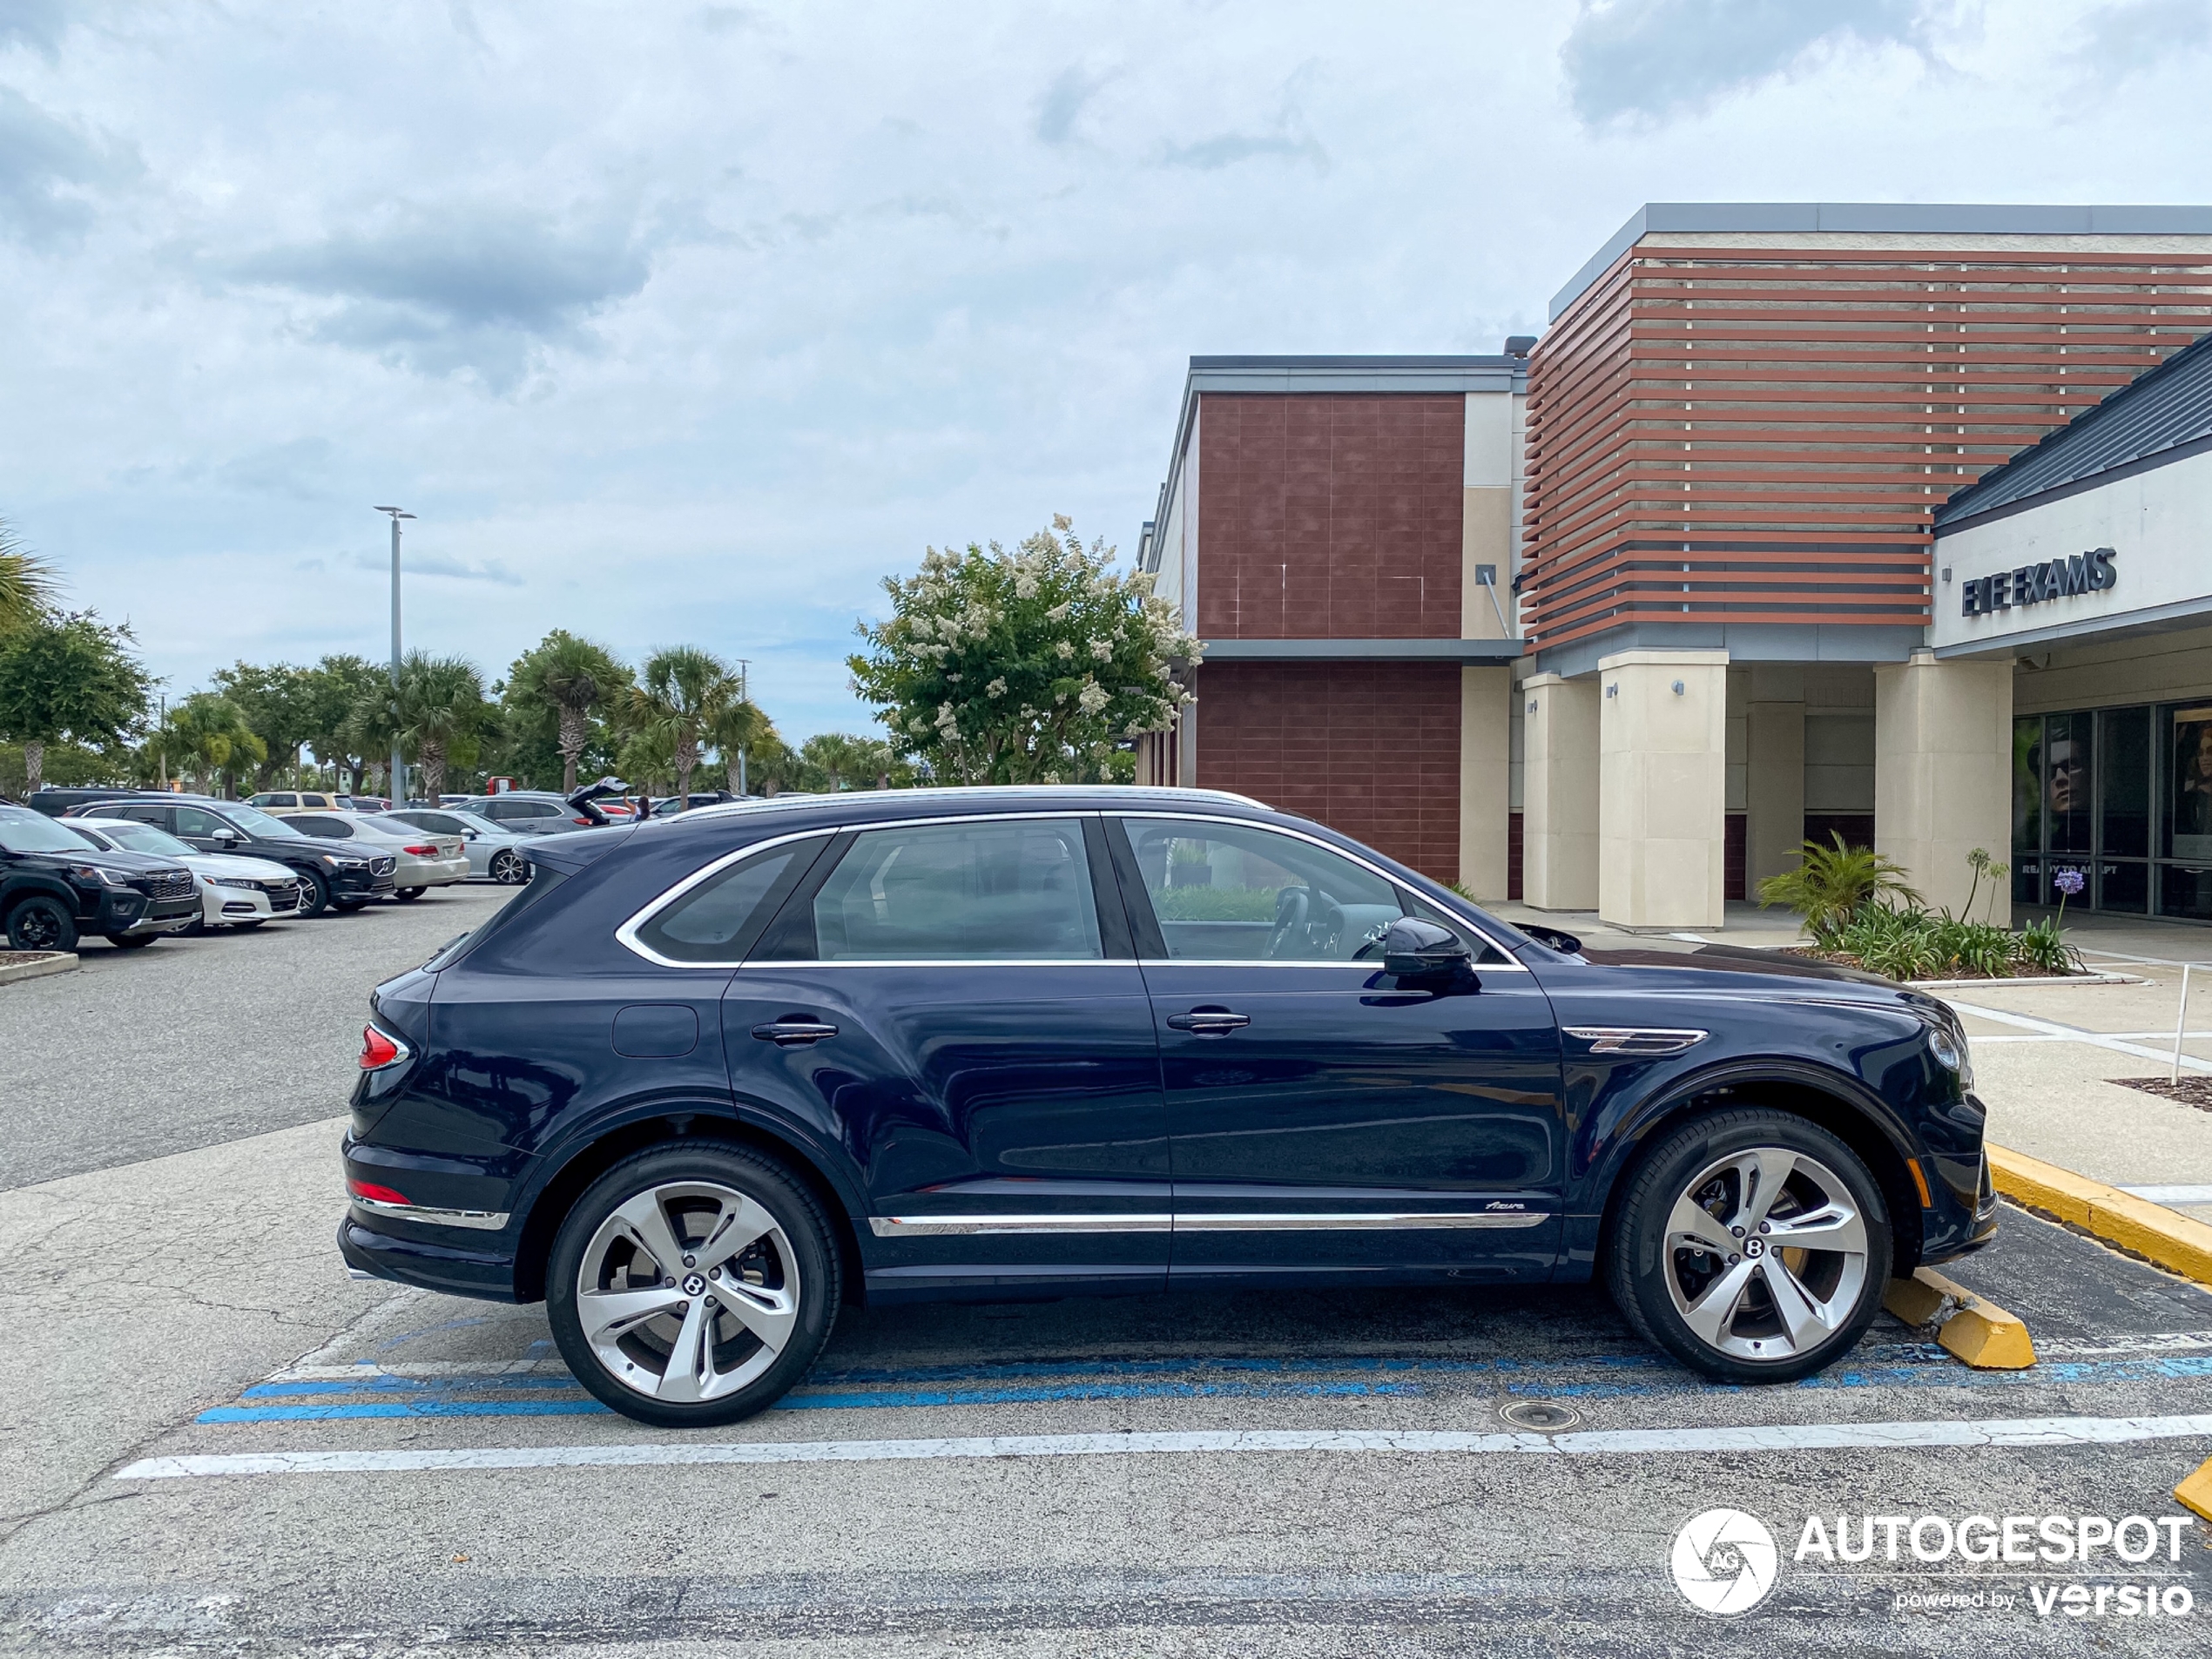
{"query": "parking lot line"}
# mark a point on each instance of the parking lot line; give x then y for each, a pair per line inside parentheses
(1788, 1437)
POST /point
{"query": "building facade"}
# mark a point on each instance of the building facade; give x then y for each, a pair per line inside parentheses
(1617, 620)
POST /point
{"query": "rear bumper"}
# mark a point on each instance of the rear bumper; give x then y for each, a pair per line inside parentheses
(452, 1268)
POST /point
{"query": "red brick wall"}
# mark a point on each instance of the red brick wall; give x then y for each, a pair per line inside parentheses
(1371, 749)
(1330, 516)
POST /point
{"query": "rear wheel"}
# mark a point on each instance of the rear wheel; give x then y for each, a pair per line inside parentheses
(507, 868)
(314, 893)
(1753, 1245)
(692, 1285)
(40, 923)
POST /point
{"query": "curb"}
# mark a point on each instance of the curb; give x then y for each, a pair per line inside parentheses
(1970, 1328)
(2151, 1230)
(2043, 981)
(53, 962)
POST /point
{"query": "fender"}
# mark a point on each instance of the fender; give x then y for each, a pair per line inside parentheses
(52, 886)
(1611, 1144)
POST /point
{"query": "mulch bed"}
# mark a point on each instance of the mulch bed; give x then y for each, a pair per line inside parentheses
(1843, 958)
(2189, 1091)
(10, 958)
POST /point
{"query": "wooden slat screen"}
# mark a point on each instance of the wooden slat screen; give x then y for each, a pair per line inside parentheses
(1756, 435)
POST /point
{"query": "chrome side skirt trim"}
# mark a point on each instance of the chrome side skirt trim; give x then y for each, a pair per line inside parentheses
(1354, 1221)
(1644, 1039)
(490, 1221)
(1205, 1221)
(931, 1226)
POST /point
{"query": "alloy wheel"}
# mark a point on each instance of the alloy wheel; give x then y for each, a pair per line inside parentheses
(508, 869)
(1765, 1254)
(688, 1291)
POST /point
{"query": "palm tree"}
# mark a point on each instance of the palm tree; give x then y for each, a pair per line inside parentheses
(577, 679)
(209, 736)
(739, 727)
(684, 689)
(439, 707)
(28, 584)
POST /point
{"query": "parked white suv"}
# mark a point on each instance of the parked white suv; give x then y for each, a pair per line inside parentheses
(233, 891)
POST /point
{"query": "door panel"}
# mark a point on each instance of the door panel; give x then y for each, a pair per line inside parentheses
(958, 1004)
(1351, 1123)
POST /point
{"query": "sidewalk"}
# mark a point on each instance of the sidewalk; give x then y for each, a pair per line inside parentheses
(2045, 1055)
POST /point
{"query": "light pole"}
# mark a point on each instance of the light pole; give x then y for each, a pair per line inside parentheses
(397, 780)
(743, 663)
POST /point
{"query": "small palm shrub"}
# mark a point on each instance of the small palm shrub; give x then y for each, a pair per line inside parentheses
(1831, 885)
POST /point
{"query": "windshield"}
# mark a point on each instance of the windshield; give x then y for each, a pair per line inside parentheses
(144, 838)
(24, 831)
(475, 821)
(254, 821)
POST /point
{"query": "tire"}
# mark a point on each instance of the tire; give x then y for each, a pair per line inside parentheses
(132, 941)
(316, 899)
(508, 868)
(347, 907)
(408, 896)
(40, 923)
(1747, 1309)
(631, 1358)
(199, 925)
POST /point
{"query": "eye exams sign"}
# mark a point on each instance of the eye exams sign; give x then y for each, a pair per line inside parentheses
(2028, 585)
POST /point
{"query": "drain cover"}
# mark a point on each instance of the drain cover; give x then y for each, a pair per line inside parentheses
(1546, 1416)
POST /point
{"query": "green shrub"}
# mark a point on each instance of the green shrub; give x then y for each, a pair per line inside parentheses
(1909, 942)
(2044, 946)
(1215, 904)
(1831, 885)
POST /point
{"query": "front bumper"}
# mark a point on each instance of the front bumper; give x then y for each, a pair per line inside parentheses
(360, 884)
(130, 916)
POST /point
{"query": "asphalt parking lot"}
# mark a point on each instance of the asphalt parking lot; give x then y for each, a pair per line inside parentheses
(216, 1442)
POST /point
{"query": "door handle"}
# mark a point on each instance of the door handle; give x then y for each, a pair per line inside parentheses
(785, 1032)
(1209, 1023)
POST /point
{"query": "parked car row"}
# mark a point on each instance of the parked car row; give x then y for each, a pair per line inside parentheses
(132, 865)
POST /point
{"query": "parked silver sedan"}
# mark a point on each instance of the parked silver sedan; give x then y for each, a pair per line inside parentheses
(496, 852)
(425, 860)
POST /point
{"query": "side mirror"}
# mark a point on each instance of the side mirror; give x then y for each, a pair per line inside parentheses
(227, 838)
(1417, 949)
(1556, 939)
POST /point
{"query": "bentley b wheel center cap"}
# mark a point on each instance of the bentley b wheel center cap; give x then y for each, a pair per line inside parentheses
(694, 1286)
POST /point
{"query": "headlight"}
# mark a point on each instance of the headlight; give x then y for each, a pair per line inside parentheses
(94, 873)
(1948, 1051)
(232, 881)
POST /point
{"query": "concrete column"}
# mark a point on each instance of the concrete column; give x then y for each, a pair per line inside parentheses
(1559, 792)
(1942, 773)
(1775, 797)
(1662, 787)
(1486, 758)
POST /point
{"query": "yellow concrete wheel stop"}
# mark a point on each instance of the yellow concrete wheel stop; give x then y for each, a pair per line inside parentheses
(2196, 1491)
(1971, 1328)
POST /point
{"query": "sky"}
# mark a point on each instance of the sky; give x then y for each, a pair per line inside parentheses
(682, 323)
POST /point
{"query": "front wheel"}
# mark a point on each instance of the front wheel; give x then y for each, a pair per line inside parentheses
(314, 893)
(1753, 1245)
(692, 1285)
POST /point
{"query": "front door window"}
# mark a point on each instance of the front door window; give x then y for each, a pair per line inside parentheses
(1229, 892)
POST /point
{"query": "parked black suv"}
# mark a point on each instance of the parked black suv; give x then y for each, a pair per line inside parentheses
(53, 889)
(337, 875)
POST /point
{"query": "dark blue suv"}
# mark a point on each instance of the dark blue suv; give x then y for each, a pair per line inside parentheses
(707, 1078)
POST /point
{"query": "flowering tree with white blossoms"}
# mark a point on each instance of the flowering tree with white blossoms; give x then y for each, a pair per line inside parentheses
(1027, 667)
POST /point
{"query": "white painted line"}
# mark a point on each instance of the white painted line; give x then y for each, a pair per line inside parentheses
(366, 1370)
(2123, 1036)
(2074, 1033)
(1780, 1437)
(2086, 1347)
(2172, 1195)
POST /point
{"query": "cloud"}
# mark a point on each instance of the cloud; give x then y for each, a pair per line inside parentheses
(298, 469)
(2139, 35)
(1064, 101)
(1288, 138)
(460, 287)
(413, 563)
(728, 20)
(36, 23)
(46, 171)
(1654, 59)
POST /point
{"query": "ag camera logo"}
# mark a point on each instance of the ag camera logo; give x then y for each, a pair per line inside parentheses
(1725, 1561)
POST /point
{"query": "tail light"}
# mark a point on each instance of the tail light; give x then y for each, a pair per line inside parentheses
(421, 852)
(378, 1050)
(375, 1194)
(584, 821)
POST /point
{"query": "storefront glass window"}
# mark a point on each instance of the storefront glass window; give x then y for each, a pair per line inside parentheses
(2066, 772)
(2189, 825)
(2124, 784)
(2028, 787)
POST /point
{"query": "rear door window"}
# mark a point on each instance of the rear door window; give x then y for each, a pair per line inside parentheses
(335, 829)
(1008, 890)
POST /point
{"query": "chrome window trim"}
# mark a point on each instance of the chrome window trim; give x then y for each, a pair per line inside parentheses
(481, 1220)
(1208, 1220)
(626, 934)
(1512, 964)
(1635, 1039)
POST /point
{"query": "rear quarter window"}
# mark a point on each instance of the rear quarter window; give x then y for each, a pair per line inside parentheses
(719, 920)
